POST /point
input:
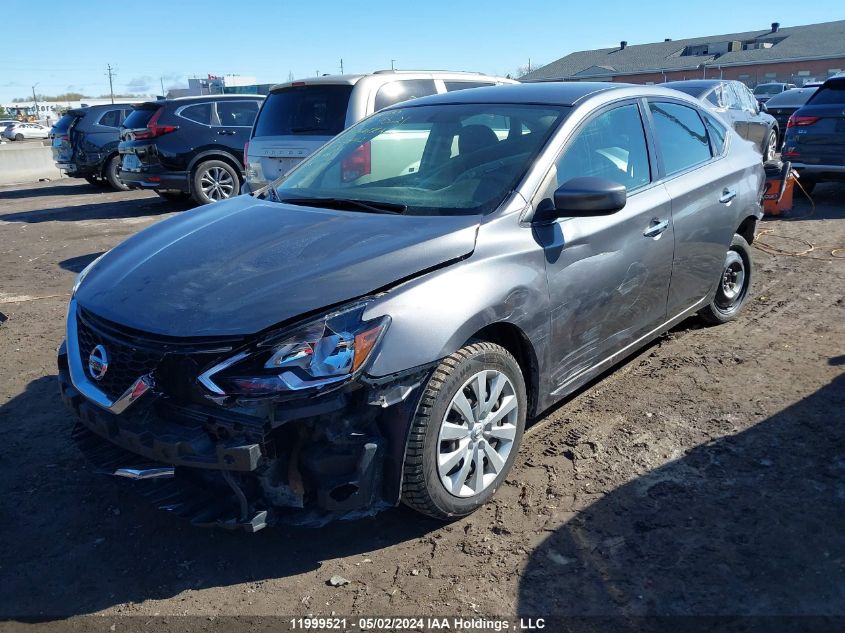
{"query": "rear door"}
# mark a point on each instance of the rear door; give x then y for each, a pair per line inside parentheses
(820, 131)
(100, 135)
(703, 185)
(234, 121)
(293, 122)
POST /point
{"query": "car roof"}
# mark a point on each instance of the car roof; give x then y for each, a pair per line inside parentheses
(543, 93)
(97, 108)
(694, 84)
(195, 99)
(351, 80)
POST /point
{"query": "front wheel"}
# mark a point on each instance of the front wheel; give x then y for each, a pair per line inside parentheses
(214, 180)
(734, 284)
(466, 432)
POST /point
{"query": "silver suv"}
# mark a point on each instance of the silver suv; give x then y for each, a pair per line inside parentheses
(300, 116)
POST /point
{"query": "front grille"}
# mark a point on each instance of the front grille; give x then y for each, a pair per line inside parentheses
(174, 363)
(127, 363)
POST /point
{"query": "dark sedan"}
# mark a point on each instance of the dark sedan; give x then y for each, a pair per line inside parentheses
(733, 101)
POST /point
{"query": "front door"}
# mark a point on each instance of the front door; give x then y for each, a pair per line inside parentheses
(608, 276)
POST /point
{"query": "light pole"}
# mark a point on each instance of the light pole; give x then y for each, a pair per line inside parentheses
(35, 101)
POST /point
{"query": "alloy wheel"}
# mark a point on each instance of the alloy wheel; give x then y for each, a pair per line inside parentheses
(477, 433)
(217, 183)
(771, 146)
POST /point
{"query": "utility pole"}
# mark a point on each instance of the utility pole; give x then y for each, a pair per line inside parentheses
(161, 81)
(392, 64)
(529, 64)
(35, 101)
(341, 65)
(111, 74)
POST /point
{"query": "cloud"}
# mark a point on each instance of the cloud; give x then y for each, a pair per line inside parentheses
(141, 83)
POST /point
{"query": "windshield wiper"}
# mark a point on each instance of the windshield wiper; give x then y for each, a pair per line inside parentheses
(369, 206)
(308, 128)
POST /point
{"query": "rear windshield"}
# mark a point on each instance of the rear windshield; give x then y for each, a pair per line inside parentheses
(768, 89)
(64, 123)
(139, 118)
(794, 97)
(831, 93)
(317, 110)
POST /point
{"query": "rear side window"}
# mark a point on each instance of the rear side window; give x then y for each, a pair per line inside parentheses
(831, 93)
(611, 146)
(200, 113)
(681, 136)
(237, 113)
(718, 135)
(451, 86)
(139, 118)
(318, 110)
(110, 118)
(402, 90)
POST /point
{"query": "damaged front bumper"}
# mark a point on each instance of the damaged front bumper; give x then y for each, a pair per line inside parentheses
(306, 462)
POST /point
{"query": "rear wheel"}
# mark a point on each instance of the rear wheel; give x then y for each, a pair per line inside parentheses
(18, 137)
(734, 284)
(214, 180)
(466, 432)
(111, 174)
(771, 148)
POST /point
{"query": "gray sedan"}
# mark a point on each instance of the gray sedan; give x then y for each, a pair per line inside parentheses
(379, 324)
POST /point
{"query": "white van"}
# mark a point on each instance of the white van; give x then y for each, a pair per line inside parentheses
(300, 116)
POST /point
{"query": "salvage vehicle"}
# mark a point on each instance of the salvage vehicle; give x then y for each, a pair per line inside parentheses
(300, 116)
(815, 135)
(733, 101)
(333, 344)
(85, 143)
(783, 105)
(188, 147)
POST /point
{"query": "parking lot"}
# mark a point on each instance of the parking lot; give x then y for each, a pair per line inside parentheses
(706, 475)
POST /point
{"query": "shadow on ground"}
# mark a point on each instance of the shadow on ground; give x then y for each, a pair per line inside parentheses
(71, 188)
(83, 542)
(750, 524)
(105, 210)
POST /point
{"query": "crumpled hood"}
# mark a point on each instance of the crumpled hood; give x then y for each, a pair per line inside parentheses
(242, 265)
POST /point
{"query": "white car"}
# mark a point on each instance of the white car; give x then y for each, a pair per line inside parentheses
(20, 131)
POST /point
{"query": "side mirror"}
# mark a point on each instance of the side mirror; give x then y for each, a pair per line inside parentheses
(762, 106)
(583, 197)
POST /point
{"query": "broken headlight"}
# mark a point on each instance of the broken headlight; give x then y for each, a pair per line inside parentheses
(328, 350)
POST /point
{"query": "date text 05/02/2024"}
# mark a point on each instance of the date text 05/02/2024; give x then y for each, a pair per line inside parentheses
(464, 625)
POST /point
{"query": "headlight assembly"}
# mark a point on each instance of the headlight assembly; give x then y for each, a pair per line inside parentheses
(328, 350)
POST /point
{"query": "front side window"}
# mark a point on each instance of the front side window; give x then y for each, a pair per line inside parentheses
(681, 136)
(237, 113)
(403, 90)
(611, 146)
(429, 160)
(200, 113)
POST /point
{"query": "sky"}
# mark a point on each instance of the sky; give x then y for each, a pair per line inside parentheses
(66, 46)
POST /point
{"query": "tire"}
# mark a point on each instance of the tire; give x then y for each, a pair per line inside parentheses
(424, 486)
(173, 196)
(770, 147)
(214, 180)
(110, 172)
(18, 137)
(733, 291)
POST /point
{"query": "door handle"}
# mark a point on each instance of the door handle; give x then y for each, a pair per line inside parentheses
(656, 228)
(226, 132)
(727, 196)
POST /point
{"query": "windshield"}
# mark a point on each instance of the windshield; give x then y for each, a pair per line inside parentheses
(430, 160)
(318, 109)
(768, 89)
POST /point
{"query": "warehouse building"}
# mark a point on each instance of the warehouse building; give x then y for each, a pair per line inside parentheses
(796, 54)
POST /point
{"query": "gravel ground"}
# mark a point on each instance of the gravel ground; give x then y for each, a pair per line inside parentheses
(706, 475)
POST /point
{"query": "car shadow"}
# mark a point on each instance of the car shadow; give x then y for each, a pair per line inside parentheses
(55, 190)
(84, 542)
(749, 524)
(77, 264)
(105, 210)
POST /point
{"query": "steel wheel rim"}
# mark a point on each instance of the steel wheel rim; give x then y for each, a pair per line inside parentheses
(477, 433)
(733, 281)
(217, 183)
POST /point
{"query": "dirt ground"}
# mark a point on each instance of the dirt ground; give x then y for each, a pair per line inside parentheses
(706, 475)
